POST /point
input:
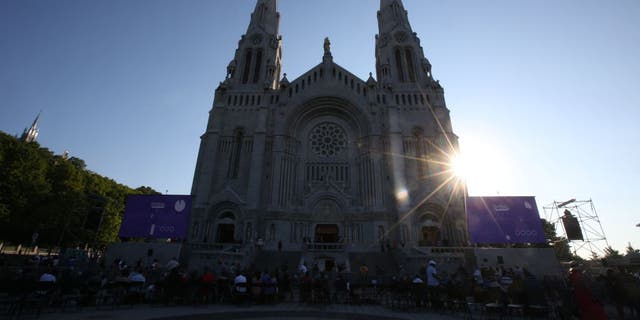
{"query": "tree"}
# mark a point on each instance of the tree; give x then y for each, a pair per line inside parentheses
(56, 197)
(560, 245)
(610, 252)
(630, 249)
(146, 190)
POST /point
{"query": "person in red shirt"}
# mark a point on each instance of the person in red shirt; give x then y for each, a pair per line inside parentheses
(589, 307)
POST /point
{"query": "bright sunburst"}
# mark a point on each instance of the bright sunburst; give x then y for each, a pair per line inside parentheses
(482, 166)
(460, 166)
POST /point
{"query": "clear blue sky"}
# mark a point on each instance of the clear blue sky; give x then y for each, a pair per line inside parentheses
(126, 85)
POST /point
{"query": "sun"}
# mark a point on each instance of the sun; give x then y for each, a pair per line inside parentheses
(482, 166)
(460, 166)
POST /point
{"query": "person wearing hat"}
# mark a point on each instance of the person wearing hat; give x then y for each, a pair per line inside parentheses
(432, 275)
(433, 281)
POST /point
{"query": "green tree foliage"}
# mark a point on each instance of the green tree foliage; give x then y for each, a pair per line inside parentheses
(630, 249)
(56, 197)
(610, 252)
(560, 245)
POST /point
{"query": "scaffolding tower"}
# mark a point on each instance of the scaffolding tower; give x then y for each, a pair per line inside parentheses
(593, 240)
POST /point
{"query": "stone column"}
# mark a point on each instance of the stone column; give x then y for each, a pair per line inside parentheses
(257, 160)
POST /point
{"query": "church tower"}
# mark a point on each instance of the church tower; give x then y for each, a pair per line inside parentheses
(258, 58)
(325, 168)
(400, 60)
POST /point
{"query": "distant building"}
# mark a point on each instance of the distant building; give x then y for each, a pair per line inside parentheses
(30, 134)
(328, 164)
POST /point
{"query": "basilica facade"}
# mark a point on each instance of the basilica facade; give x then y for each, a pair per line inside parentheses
(326, 164)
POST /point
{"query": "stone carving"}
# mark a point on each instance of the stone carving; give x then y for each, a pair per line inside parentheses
(401, 36)
(327, 46)
(384, 39)
(327, 139)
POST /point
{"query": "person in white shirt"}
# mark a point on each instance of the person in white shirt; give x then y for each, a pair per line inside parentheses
(477, 276)
(47, 277)
(240, 283)
(135, 276)
(432, 275)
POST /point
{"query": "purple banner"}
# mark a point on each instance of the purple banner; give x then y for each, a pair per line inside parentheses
(156, 216)
(504, 220)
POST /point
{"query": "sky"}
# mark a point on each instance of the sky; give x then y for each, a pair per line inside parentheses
(545, 93)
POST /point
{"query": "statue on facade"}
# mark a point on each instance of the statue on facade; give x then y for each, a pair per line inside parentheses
(327, 46)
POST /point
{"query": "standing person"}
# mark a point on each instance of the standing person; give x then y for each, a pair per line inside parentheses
(433, 281)
(588, 306)
(615, 289)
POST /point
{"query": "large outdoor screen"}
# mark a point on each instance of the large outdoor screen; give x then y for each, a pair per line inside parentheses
(504, 220)
(156, 216)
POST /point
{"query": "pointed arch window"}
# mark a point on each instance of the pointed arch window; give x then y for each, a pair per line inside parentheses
(272, 232)
(234, 161)
(399, 65)
(418, 134)
(247, 66)
(410, 69)
(256, 71)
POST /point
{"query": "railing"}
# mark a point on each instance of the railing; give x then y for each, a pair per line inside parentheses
(320, 246)
(220, 247)
(440, 250)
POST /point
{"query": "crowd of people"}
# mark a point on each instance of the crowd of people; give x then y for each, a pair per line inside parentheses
(47, 282)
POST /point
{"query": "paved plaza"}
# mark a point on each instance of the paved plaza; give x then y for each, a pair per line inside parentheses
(288, 311)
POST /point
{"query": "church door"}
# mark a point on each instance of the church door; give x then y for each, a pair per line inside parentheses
(326, 233)
(225, 233)
(430, 236)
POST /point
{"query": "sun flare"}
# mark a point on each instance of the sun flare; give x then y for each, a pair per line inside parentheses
(460, 166)
(482, 166)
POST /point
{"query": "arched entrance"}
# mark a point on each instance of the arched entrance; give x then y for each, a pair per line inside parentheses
(225, 233)
(430, 223)
(326, 233)
(430, 236)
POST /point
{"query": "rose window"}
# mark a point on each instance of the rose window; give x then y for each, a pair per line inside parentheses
(327, 139)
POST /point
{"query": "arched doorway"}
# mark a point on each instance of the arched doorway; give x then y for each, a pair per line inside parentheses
(430, 236)
(326, 233)
(225, 231)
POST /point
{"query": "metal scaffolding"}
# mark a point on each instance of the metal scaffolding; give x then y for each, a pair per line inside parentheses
(594, 240)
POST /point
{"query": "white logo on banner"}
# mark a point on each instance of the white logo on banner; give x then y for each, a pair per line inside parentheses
(526, 233)
(528, 205)
(180, 205)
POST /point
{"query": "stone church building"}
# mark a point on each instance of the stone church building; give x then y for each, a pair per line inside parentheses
(326, 168)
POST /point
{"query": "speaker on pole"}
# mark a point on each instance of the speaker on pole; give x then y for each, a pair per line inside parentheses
(572, 226)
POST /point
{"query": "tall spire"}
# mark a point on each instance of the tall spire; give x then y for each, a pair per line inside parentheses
(392, 15)
(400, 59)
(265, 17)
(257, 61)
(30, 134)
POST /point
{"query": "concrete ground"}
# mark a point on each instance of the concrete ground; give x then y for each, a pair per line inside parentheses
(280, 311)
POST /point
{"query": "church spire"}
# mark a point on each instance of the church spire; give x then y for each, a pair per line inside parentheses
(265, 17)
(392, 15)
(399, 57)
(30, 134)
(258, 60)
